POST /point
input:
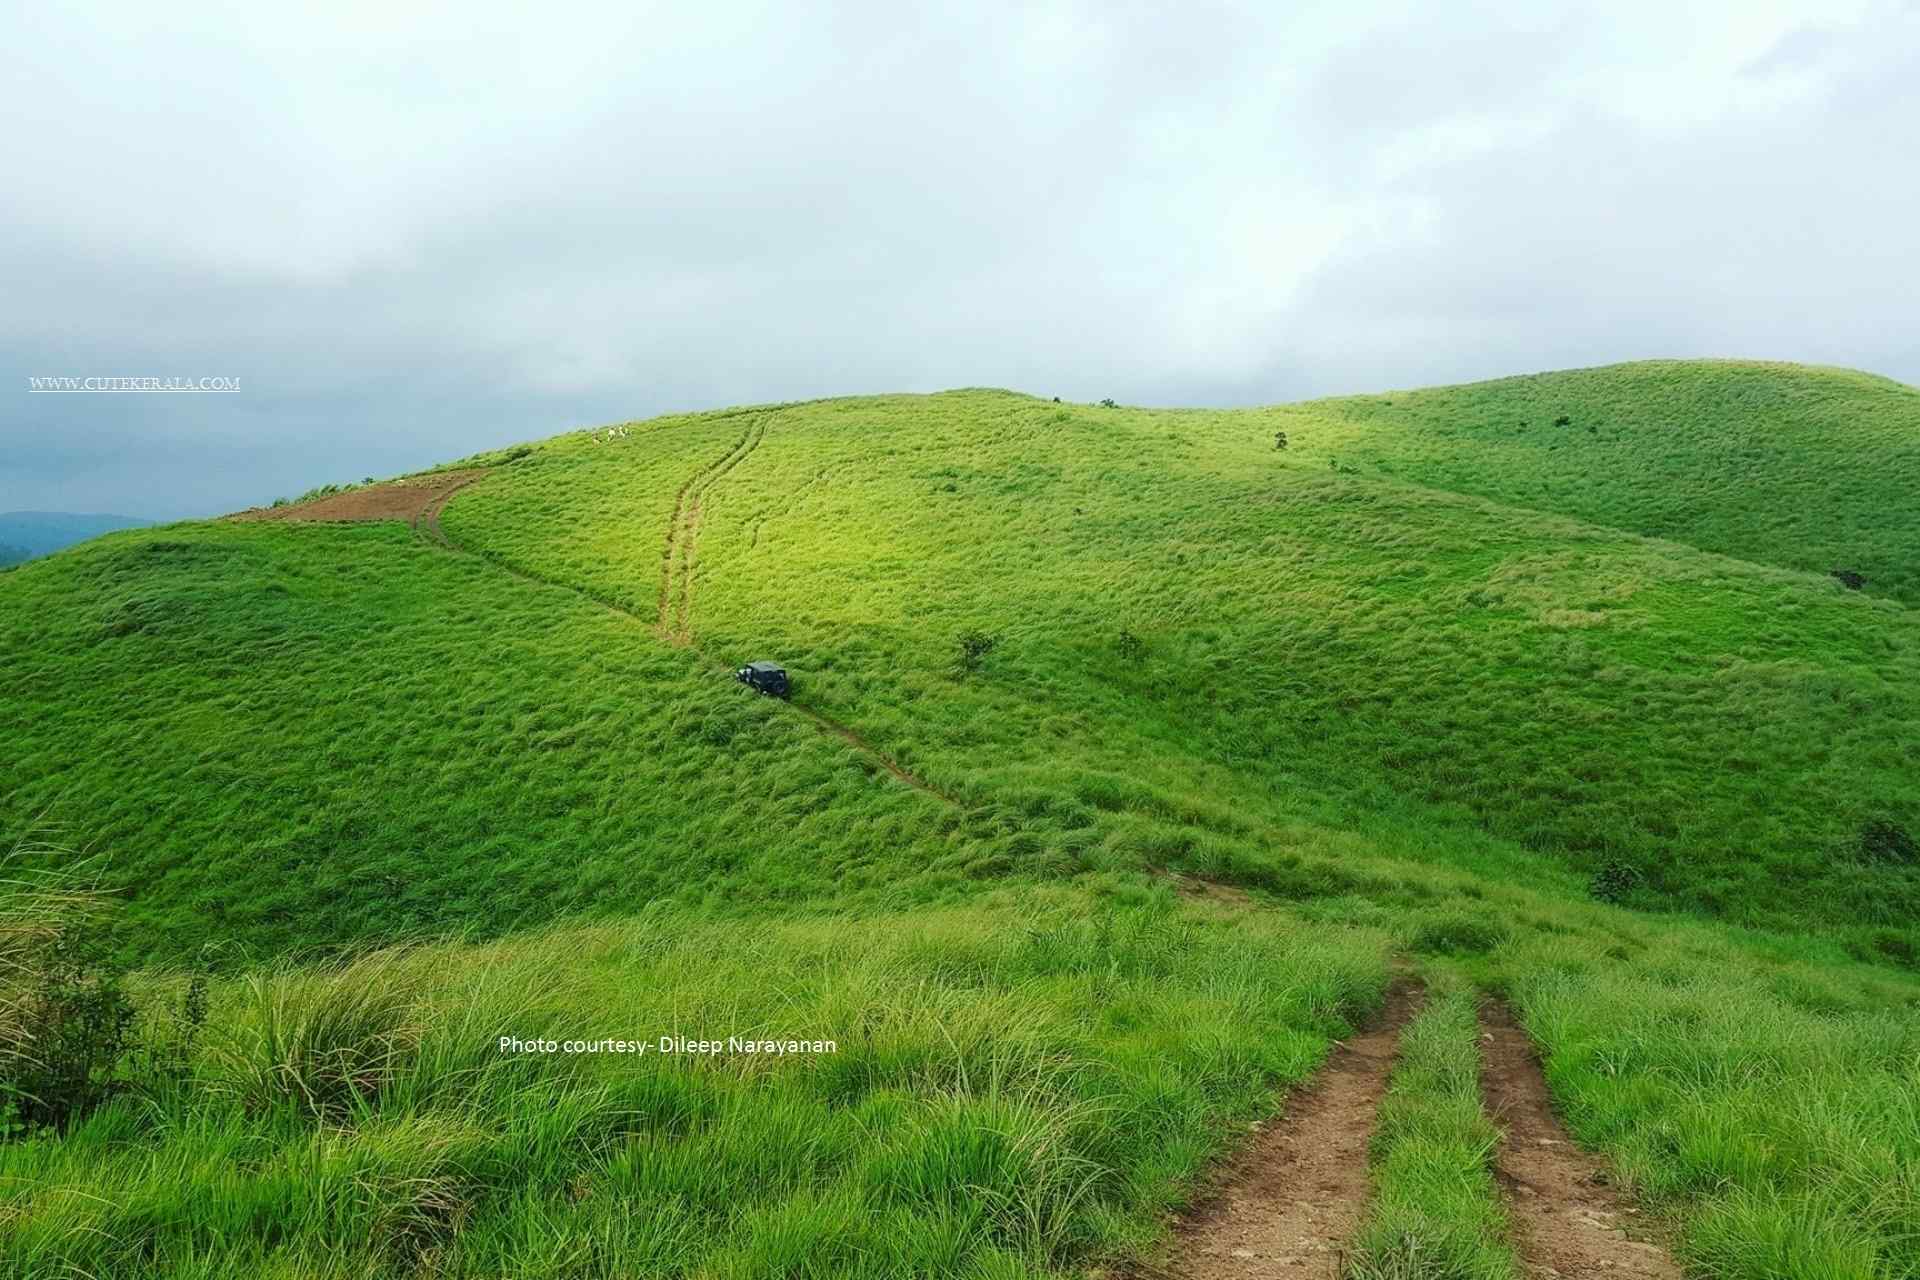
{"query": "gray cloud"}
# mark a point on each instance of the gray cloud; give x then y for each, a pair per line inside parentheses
(417, 232)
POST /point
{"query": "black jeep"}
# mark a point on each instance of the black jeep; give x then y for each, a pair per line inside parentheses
(769, 678)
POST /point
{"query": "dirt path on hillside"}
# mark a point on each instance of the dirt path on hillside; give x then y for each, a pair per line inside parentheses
(1289, 1203)
(680, 551)
(427, 519)
(1568, 1218)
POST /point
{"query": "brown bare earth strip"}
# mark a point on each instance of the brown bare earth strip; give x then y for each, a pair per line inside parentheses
(1289, 1203)
(395, 500)
(1569, 1219)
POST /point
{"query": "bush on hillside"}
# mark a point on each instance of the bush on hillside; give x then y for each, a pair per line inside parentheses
(1884, 841)
(66, 1025)
(975, 645)
(1131, 646)
(1614, 881)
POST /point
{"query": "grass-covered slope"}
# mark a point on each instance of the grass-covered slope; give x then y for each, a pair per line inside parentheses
(279, 736)
(1210, 654)
(1807, 468)
(1216, 640)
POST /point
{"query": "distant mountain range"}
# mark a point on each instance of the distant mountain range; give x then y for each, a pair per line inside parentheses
(26, 534)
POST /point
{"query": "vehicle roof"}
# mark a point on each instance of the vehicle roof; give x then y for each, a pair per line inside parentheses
(764, 666)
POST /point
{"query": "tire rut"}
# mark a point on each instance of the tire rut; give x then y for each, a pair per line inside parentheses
(679, 552)
(1569, 1218)
(1289, 1203)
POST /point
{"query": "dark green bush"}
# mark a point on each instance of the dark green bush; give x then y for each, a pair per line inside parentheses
(1614, 881)
(66, 1025)
(1885, 841)
(975, 645)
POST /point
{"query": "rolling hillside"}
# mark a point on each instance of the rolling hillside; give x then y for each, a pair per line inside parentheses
(1208, 653)
(1106, 723)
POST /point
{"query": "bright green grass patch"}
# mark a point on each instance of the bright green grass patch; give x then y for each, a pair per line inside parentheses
(1018, 1085)
(1774, 1104)
(1436, 1212)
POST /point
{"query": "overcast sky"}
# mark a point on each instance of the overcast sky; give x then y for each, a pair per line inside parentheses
(415, 230)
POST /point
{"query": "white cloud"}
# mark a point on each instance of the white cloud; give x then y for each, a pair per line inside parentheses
(419, 228)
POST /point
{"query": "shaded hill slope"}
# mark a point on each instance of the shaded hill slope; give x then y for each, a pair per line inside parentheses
(1803, 467)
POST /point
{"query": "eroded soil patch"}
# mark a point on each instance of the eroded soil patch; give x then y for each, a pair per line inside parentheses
(404, 500)
(1289, 1203)
(1568, 1218)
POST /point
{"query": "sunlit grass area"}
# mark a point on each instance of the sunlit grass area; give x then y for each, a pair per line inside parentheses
(1209, 735)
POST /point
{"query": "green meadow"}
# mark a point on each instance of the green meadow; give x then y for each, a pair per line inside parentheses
(1219, 720)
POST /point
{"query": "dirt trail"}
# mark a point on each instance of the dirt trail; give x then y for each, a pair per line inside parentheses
(1568, 1218)
(679, 554)
(1290, 1202)
(427, 519)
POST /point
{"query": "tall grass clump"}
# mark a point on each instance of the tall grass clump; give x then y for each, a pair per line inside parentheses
(1436, 1212)
(326, 1040)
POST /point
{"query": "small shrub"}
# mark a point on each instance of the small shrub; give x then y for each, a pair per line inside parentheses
(1884, 841)
(1108, 403)
(975, 645)
(1849, 579)
(1280, 440)
(1614, 881)
(1563, 421)
(66, 1026)
(1889, 944)
(1131, 646)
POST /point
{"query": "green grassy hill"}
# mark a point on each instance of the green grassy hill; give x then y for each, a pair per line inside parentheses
(1805, 468)
(1428, 681)
(1211, 655)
